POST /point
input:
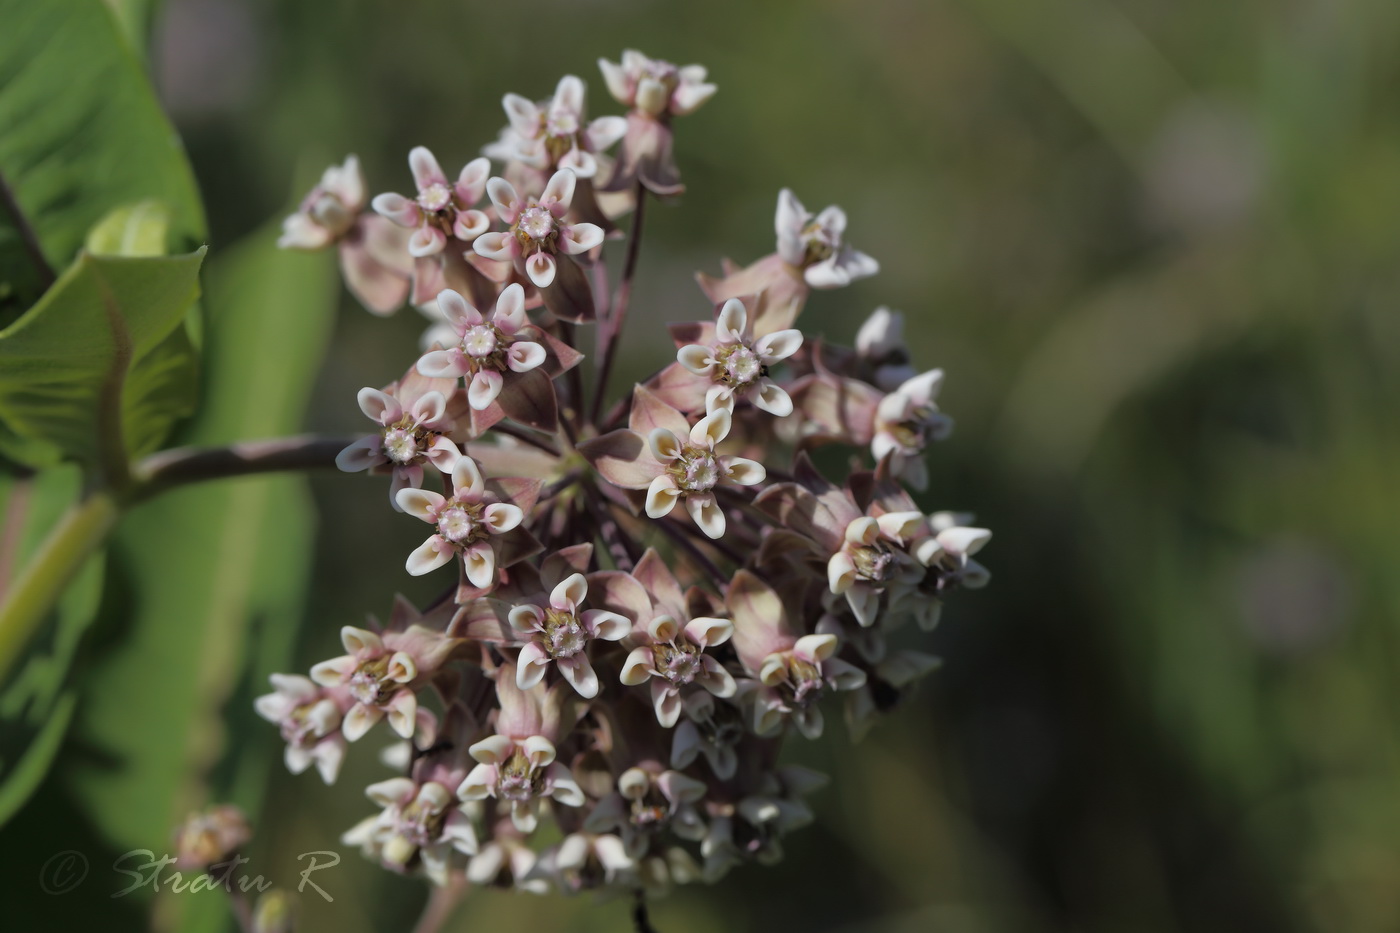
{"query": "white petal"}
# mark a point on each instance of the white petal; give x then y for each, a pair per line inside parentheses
(429, 556)
(696, 358)
(661, 496)
(502, 194)
(743, 471)
(420, 503)
(560, 188)
(525, 355)
(707, 514)
(379, 406)
(540, 268)
(569, 593)
(498, 246)
(484, 388)
(772, 398)
(733, 320)
(480, 564)
(502, 517)
(779, 345)
(580, 238)
(510, 309)
(664, 444)
(443, 364)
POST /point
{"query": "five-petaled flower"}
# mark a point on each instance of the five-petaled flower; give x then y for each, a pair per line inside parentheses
(656, 87)
(415, 420)
(538, 236)
(675, 658)
(555, 134)
(873, 557)
(737, 364)
(309, 717)
(442, 208)
(381, 673)
(487, 347)
(561, 631)
(420, 824)
(328, 211)
(647, 801)
(692, 469)
(520, 773)
(466, 522)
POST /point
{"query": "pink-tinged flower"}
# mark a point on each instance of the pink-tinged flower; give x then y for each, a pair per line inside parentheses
(308, 716)
(655, 91)
(555, 133)
(383, 673)
(906, 421)
(656, 87)
(816, 246)
(691, 470)
(415, 417)
(505, 860)
(442, 209)
(711, 728)
(584, 861)
(420, 824)
(208, 837)
(675, 659)
(881, 349)
(538, 237)
(466, 524)
(487, 347)
(872, 558)
(794, 671)
(560, 632)
(520, 773)
(945, 548)
(373, 257)
(649, 801)
(328, 211)
(737, 364)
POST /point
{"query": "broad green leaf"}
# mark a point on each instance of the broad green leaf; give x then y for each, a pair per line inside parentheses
(36, 704)
(81, 134)
(207, 565)
(95, 357)
(139, 229)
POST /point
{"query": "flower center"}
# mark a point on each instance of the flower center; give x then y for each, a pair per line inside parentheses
(330, 212)
(699, 470)
(516, 779)
(480, 341)
(455, 523)
(400, 445)
(741, 365)
(679, 663)
(821, 243)
(565, 636)
(369, 683)
(873, 562)
(435, 197)
(536, 223)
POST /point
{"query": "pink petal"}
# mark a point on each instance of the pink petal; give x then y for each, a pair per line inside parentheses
(425, 168)
(484, 388)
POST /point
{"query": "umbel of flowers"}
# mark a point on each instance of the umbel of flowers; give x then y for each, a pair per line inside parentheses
(645, 596)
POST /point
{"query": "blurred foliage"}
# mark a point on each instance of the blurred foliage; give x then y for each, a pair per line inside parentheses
(1153, 244)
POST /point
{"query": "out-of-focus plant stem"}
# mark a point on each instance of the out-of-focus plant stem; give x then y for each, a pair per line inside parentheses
(79, 533)
(617, 316)
(182, 465)
(440, 905)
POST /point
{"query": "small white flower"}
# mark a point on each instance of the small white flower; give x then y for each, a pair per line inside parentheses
(692, 470)
(816, 246)
(737, 363)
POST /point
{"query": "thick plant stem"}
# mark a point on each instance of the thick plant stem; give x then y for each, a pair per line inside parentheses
(36, 590)
(441, 902)
(618, 315)
(182, 465)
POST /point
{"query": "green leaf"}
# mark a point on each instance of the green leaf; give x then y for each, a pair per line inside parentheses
(36, 705)
(207, 565)
(139, 229)
(92, 369)
(81, 133)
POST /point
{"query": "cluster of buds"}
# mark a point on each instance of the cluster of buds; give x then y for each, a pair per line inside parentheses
(599, 657)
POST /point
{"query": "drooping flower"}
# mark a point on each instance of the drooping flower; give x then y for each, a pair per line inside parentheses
(711, 728)
(538, 240)
(504, 859)
(466, 522)
(308, 716)
(421, 824)
(906, 421)
(560, 632)
(487, 347)
(648, 801)
(442, 209)
(944, 547)
(583, 862)
(737, 364)
(417, 420)
(555, 133)
(373, 257)
(384, 671)
(883, 354)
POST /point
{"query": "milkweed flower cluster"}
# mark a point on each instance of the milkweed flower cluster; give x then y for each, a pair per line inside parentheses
(644, 597)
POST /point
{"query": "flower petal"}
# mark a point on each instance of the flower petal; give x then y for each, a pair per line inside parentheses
(498, 246)
(425, 168)
(661, 496)
(484, 388)
(732, 321)
(560, 189)
(420, 503)
(525, 355)
(443, 364)
(502, 517)
(540, 268)
(580, 238)
(743, 471)
(429, 556)
(578, 671)
(778, 345)
(707, 514)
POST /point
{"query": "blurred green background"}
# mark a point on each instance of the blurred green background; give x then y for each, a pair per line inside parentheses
(1153, 244)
